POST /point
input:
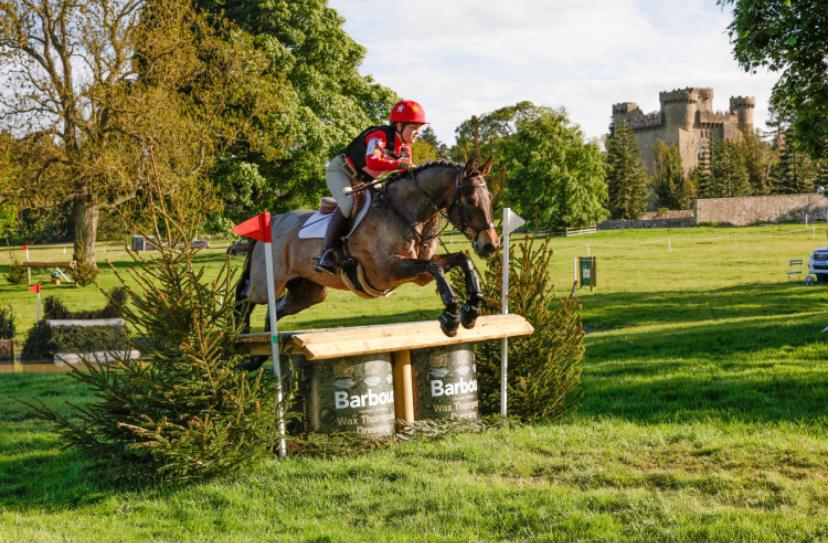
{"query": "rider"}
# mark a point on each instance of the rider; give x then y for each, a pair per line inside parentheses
(376, 151)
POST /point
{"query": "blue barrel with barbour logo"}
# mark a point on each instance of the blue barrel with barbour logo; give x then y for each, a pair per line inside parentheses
(354, 394)
(446, 380)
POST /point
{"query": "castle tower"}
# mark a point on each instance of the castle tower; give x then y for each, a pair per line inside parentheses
(705, 99)
(625, 111)
(679, 109)
(743, 107)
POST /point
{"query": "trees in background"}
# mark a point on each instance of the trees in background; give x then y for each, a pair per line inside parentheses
(550, 175)
(95, 95)
(795, 172)
(324, 103)
(673, 189)
(760, 159)
(728, 170)
(790, 37)
(627, 180)
(8, 196)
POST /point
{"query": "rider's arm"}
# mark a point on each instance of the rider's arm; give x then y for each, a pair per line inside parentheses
(375, 158)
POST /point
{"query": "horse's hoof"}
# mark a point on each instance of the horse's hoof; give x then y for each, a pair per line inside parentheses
(253, 363)
(468, 315)
(449, 323)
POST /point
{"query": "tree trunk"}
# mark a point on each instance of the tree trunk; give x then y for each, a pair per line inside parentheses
(85, 222)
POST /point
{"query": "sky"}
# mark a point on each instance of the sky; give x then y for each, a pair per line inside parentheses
(459, 58)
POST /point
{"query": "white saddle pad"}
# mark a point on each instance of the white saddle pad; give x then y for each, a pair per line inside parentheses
(317, 224)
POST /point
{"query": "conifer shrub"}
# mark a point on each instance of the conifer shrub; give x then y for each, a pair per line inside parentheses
(544, 368)
(16, 275)
(183, 411)
(85, 274)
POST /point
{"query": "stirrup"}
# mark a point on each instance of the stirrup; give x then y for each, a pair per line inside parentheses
(326, 267)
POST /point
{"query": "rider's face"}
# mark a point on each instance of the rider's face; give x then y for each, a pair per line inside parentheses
(409, 132)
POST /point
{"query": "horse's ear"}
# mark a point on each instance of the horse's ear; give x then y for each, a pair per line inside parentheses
(487, 167)
(471, 166)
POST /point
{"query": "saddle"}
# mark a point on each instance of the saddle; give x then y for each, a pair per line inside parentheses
(316, 225)
(351, 271)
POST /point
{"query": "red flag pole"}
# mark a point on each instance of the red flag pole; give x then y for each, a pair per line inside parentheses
(259, 228)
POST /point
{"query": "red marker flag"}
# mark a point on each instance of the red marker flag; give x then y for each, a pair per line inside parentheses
(25, 247)
(257, 227)
(35, 288)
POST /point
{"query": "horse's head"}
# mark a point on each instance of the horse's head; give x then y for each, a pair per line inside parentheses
(471, 210)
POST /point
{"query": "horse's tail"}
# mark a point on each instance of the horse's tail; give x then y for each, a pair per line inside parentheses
(242, 290)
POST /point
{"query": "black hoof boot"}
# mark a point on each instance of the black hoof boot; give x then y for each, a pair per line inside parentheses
(468, 315)
(449, 323)
(253, 363)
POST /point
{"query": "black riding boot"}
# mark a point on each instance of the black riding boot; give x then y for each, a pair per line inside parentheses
(327, 260)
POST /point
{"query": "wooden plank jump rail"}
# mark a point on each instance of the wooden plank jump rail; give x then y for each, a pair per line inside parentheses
(42, 265)
(398, 339)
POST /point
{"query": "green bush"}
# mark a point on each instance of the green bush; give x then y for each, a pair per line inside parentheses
(17, 273)
(44, 341)
(53, 308)
(7, 328)
(85, 274)
(544, 368)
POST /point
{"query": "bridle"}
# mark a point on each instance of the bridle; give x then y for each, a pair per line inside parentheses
(464, 224)
(457, 202)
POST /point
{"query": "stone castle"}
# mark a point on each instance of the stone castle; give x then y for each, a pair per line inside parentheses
(687, 120)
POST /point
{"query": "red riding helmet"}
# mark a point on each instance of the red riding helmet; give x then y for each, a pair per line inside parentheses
(408, 111)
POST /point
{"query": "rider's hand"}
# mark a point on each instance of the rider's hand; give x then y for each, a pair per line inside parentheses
(405, 163)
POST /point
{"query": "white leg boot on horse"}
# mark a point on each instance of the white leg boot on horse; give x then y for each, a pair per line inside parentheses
(327, 261)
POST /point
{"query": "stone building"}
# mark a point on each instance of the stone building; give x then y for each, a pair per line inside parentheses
(686, 119)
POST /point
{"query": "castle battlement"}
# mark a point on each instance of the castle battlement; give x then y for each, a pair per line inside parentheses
(647, 121)
(625, 107)
(687, 95)
(739, 102)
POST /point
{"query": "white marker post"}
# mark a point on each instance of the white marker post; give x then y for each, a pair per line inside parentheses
(511, 222)
(36, 290)
(259, 228)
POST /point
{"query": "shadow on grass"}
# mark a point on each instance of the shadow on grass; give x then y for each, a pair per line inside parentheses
(768, 363)
(618, 310)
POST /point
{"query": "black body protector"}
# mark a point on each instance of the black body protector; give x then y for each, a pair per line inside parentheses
(355, 151)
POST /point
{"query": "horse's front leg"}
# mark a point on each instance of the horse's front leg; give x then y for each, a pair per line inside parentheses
(406, 269)
(471, 309)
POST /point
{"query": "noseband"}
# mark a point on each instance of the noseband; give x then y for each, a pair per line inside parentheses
(464, 223)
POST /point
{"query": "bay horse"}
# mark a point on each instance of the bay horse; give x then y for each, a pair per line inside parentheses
(393, 244)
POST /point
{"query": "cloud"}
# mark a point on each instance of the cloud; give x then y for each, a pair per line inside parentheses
(461, 57)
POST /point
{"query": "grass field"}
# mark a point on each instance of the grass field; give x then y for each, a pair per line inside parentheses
(704, 417)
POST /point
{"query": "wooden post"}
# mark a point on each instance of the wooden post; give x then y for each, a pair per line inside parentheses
(403, 387)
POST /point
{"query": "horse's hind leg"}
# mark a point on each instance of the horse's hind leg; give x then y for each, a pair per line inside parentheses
(301, 294)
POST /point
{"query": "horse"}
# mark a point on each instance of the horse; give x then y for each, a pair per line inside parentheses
(393, 244)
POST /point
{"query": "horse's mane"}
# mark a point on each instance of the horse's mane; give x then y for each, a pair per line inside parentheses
(422, 167)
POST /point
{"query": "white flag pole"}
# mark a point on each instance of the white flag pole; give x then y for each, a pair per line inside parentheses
(37, 309)
(511, 222)
(504, 308)
(274, 338)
